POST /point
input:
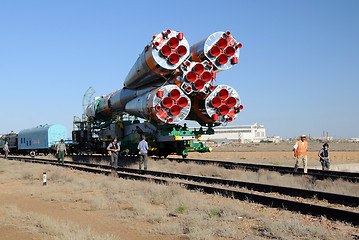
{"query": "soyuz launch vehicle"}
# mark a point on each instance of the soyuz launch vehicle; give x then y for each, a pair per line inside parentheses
(171, 81)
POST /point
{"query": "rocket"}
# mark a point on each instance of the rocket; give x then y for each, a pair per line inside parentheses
(171, 82)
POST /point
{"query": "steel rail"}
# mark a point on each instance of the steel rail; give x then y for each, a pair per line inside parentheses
(317, 174)
(347, 200)
(304, 208)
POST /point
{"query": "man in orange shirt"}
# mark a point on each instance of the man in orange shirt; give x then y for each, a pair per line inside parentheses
(300, 153)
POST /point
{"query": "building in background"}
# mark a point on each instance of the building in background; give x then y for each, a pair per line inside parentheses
(244, 134)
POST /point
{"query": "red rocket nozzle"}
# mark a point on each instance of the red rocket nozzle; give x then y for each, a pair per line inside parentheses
(198, 68)
(222, 43)
(168, 31)
(175, 94)
(167, 102)
(230, 119)
(162, 114)
(182, 102)
(228, 33)
(181, 50)
(231, 102)
(160, 94)
(223, 93)
(206, 76)
(170, 120)
(166, 50)
(241, 107)
(188, 63)
(191, 76)
(222, 59)
(158, 107)
(189, 88)
(173, 58)
(211, 87)
(224, 109)
(239, 45)
(175, 110)
(180, 36)
(173, 42)
(215, 117)
(234, 60)
(216, 102)
(230, 51)
(199, 84)
(215, 51)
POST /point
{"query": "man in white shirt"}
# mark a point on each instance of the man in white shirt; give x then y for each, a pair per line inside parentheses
(143, 148)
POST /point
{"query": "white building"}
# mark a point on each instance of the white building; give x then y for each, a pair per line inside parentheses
(243, 134)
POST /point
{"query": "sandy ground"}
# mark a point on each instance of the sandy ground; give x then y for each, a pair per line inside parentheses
(344, 157)
(102, 222)
(340, 161)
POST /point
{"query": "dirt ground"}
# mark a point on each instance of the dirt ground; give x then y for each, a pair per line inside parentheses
(344, 157)
(102, 222)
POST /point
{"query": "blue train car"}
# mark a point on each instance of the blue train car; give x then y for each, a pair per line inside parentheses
(40, 138)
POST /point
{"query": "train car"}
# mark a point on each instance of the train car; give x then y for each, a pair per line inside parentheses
(40, 138)
(11, 138)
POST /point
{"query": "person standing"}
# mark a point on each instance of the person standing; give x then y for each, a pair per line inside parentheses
(300, 153)
(61, 151)
(143, 147)
(7, 150)
(324, 157)
(114, 147)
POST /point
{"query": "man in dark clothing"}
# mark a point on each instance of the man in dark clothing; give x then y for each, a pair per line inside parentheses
(61, 151)
(114, 147)
(324, 157)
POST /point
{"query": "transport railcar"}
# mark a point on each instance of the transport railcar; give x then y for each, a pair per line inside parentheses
(41, 139)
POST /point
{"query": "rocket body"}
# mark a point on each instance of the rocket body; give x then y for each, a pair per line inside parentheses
(171, 82)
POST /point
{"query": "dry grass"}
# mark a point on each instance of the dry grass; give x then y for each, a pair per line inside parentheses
(169, 209)
(49, 227)
(262, 176)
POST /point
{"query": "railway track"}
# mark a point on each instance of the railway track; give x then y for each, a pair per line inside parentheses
(166, 178)
(314, 173)
(317, 174)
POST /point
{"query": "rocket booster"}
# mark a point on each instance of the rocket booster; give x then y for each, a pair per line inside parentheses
(171, 82)
(105, 107)
(166, 104)
(161, 57)
(219, 106)
(221, 48)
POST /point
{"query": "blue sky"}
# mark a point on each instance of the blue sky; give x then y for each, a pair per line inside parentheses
(298, 70)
